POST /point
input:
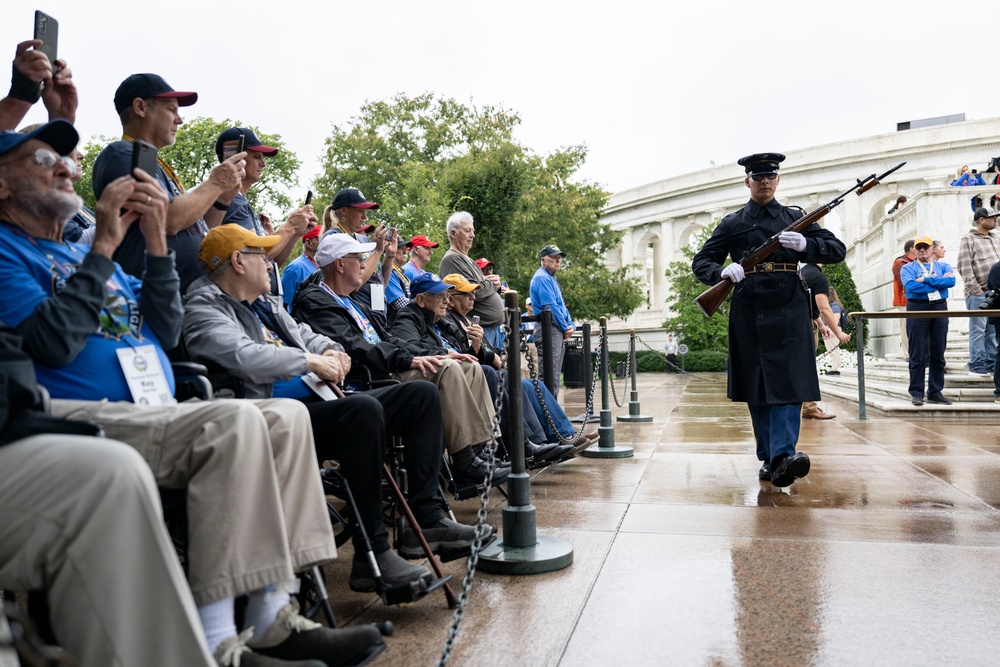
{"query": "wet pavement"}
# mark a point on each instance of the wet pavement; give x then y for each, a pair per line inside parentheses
(888, 553)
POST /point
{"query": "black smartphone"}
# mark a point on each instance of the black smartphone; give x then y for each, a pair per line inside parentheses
(47, 30)
(232, 147)
(309, 198)
(144, 157)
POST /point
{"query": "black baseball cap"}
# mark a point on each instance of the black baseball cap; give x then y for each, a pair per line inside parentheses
(250, 142)
(351, 197)
(60, 134)
(551, 251)
(145, 86)
(761, 163)
(983, 213)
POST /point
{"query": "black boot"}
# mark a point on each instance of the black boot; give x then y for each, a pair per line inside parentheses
(470, 469)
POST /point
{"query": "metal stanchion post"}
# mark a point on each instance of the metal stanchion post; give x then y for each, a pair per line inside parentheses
(859, 324)
(634, 414)
(520, 550)
(588, 378)
(605, 447)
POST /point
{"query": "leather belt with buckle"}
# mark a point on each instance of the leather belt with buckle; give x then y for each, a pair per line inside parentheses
(774, 267)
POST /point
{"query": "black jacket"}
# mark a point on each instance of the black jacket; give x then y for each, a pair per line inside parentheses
(771, 355)
(451, 326)
(416, 326)
(314, 306)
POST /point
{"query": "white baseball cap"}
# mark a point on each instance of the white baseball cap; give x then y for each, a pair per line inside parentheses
(336, 245)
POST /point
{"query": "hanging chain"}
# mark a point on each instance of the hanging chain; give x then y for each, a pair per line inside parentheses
(484, 499)
(533, 376)
(675, 366)
(628, 371)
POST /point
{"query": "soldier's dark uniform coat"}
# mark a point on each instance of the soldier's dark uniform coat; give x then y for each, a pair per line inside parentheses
(771, 357)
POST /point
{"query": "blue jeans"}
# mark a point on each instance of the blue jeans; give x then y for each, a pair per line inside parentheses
(776, 429)
(559, 417)
(982, 338)
(493, 337)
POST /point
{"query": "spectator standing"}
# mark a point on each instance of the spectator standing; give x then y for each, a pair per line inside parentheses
(546, 294)
(421, 250)
(900, 200)
(241, 213)
(769, 320)
(927, 281)
(968, 177)
(899, 292)
(149, 111)
(831, 341)
(824, 321)
(671, 349)
(489, 306)
(978, 251)
(993, 283)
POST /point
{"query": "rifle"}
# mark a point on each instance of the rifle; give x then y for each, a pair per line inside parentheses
(710, 300)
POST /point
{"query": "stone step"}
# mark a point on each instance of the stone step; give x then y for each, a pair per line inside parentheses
(888, 395)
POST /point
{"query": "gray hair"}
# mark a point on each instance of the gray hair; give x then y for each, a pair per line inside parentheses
(457, 219)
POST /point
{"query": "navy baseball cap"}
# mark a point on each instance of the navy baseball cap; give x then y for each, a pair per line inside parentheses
(60, 134)
(428, 282)
(250, 142)
(551, 251)
(145, 86)
(351, 197)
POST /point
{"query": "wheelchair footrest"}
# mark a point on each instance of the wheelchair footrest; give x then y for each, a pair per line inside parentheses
(413, 591)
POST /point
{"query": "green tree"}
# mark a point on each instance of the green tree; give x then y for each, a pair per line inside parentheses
(698, 332)
(193, 155)
(423, 158)
(841, 280)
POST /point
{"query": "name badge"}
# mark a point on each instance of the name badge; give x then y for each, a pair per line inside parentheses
(934, 296)
(146, 380)
(378, 297)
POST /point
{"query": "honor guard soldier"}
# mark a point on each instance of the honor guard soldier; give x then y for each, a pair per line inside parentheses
(772, 365)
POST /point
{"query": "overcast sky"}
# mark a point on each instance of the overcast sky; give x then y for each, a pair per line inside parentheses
(654, 89)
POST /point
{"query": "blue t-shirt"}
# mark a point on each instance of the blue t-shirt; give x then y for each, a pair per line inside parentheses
(411, 270)
(547, 295)
(295, 272)
(35, 269)
(114, 162)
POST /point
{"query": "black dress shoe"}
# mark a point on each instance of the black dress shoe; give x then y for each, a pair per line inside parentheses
(916, 400)
(789, 468)
(938, 399)
(293, 637)
(764, 473)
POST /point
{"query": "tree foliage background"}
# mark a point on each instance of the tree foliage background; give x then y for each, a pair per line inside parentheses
(193, 156)
(698, 332)
(423, 158)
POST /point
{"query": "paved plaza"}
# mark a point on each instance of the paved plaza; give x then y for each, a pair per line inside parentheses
(887, 554)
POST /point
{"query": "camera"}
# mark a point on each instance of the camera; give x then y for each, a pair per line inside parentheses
(990, 300)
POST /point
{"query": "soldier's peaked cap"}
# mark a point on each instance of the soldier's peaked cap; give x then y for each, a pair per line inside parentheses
(761, 163)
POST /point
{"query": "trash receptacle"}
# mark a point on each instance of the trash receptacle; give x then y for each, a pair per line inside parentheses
(573, 367)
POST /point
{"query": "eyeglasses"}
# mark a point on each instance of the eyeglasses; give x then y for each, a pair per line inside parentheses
(771, 176)
(48, 159)
(360, 258)
(263, 254)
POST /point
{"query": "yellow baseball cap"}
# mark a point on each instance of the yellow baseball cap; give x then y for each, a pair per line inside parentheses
(923, 240)
(460, 283)
(222, 241)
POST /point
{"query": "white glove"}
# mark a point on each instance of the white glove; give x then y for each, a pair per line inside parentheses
(734, 272)
(792, 240)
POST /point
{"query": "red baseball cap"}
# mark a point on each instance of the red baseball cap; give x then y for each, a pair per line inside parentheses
(482, 263)
(313, 233)
(422, 242)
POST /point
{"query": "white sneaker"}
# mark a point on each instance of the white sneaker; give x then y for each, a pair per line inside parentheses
(981, 374)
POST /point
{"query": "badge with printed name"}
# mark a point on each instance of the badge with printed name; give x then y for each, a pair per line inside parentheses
(378, 297)
(934, 296)
(146, 380)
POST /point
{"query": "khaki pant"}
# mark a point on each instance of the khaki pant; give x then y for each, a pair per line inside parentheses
(255, 502)
(81, 518)
(466, 405)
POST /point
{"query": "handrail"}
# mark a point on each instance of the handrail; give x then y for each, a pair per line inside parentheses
(860, 316)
